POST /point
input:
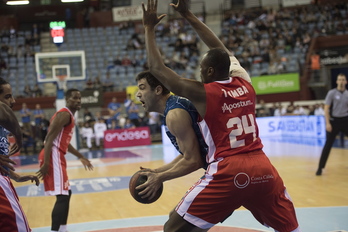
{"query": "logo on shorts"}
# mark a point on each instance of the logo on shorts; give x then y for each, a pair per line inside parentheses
(241, 180)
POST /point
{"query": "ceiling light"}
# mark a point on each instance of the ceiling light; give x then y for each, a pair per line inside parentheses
(17, 2)
(72, 0)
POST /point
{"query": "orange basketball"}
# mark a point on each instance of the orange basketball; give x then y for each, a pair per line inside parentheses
(138, 179)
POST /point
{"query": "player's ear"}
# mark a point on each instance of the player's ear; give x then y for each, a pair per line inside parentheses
(211, 71)
(158, 90)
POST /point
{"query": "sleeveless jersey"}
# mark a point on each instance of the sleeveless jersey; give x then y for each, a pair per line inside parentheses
(63, 139)
(4, 144)
(234, 101)
(174, 102)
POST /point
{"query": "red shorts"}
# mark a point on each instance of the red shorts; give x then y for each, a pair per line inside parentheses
(248, 180)
(12, 217)
(56, 182)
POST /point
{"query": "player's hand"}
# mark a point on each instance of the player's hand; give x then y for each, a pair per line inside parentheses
(150, 15)
(86, 163)
(146, 169)
(43, 171)
(328, 127)
(29, 177)
(151, 186)
(182, 6)
(5, 161)
(14, 149)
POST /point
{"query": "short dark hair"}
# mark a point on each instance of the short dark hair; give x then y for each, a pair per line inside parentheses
(69, 92)
(152, 80)
(219, 59)
(2, 82)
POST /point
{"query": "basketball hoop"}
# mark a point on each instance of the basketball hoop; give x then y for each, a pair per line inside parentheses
(61, 82)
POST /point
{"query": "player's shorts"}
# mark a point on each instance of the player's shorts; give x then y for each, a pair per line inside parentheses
(12, 217)
(248, 180)
(56, 182)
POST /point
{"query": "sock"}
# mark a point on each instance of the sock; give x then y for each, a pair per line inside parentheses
(63, 228)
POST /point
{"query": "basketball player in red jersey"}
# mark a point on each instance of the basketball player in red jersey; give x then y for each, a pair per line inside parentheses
(239, 173)
(52, 159)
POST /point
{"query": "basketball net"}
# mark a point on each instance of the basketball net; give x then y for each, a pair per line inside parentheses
(61, 82)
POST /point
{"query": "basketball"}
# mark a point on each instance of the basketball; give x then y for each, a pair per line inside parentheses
(138, 179)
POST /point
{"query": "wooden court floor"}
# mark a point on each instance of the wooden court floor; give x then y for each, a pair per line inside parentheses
(296, 164)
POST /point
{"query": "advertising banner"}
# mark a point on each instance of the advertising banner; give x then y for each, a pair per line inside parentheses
(287, 3)
(92, 98)
(121, 14)
(127, 137)
(334, 56)
(281, 83)
(292, 126)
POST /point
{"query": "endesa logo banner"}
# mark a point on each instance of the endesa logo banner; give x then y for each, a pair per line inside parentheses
(127, 137)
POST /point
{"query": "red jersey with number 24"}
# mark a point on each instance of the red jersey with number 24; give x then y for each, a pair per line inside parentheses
(231, 102)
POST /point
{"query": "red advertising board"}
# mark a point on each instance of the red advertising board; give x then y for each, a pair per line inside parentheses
(127, 137)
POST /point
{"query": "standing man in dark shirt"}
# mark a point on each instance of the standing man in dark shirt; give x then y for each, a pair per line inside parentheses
(336, 117)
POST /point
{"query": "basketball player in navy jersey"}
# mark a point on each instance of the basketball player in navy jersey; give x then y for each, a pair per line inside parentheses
(180, 121)
(12, 217)
(239, 173)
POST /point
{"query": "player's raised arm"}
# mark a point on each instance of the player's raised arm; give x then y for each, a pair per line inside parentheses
(192, 90)
(204, 32)
(209, 37)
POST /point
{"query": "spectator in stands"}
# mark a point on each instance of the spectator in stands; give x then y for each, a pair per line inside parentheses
(315, 67)
(87, 134)
(279, 110)
(89, 84)
(27, 91)
(3, 64)
(25, 113)
(28, 140)
(45, 123)
(97, 83)
(311, 110)
(126, 61)
(28, 52)
(36, 92)
(114, 109)
(299, 110)
(319, 109)
(108, 84)
(88, 116)
(154, 122)
(117, 61)
(99, 129)
(38, 116)
(263, 110)
(128, 124)
(133, 113)
(35, 34)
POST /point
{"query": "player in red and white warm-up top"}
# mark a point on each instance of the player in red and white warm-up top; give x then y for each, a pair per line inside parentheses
(52, 159)
(238, 173)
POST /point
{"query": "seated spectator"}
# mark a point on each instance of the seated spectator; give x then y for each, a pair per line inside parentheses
(89, 84)
(128, 124)
(28, 141)
(27, 91)
(319, 109)
(97, 83)
(87, 134)
(108, 84)
(88, 116)
(36, 92)
(3, 64)
(299, 110)
(99, 128)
